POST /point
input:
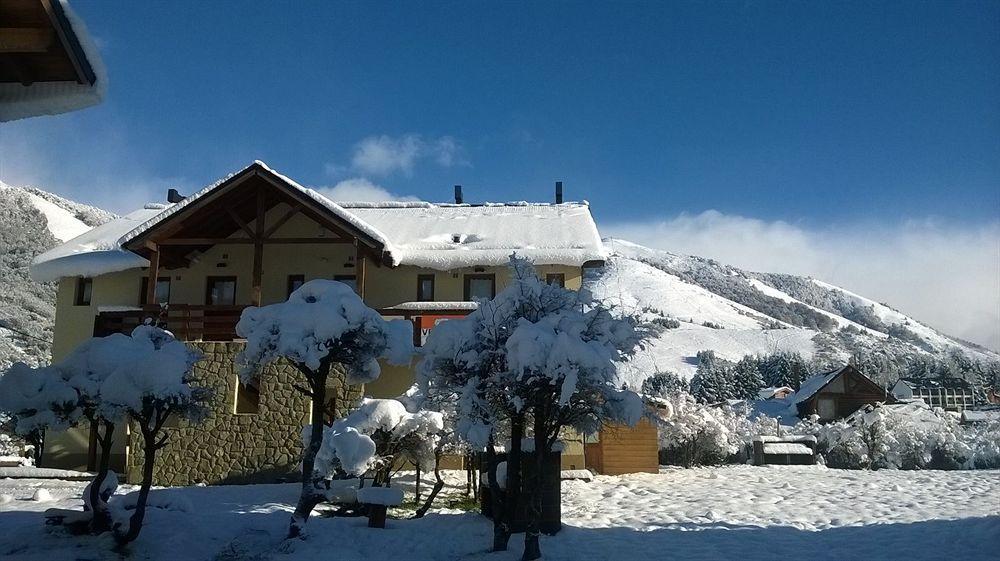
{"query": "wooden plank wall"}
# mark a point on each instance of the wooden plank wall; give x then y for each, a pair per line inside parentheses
(625, 449)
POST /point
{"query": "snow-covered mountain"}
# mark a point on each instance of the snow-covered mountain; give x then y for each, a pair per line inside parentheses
(33, 221)
(736, 312)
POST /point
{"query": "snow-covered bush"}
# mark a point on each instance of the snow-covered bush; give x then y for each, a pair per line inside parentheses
(984, 445)
(536, 350)
(692, 433)
(395, 435)
(897, 436)
(323, 323)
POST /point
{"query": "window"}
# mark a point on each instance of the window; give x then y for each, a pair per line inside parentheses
(162, 290)
(220, 291)
(247, 397)
(84, 289)
(349, 280)
(294, 282)
(557, 279)
(425, 288)
(480, 287)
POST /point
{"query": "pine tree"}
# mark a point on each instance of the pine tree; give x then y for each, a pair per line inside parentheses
(747, 379)
(713, 381)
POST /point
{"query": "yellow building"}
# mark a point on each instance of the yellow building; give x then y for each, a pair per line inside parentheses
(255, 236)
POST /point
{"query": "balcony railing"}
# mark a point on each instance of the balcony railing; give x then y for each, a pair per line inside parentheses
(186, 322)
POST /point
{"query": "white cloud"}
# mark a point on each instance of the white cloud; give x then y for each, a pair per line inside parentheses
(384, 155)
(360, 189)
(947, 275)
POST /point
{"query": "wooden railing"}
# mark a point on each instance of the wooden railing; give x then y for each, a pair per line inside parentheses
(186, 322)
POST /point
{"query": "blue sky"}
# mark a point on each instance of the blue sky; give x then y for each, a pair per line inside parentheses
(826, 117)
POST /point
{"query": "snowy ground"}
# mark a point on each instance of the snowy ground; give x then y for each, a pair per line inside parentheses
(742, 513)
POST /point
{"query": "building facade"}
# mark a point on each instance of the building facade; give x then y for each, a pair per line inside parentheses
(250, 240)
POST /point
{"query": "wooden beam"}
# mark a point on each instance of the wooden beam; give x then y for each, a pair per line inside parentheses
(248, 241)
(25, 39)
(205, 241)
(281, 221)
(258, 248)
(84, 74)
(360, 279)
(242, 223)
(154, 273)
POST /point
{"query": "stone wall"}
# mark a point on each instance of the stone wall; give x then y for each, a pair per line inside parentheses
(238, 448)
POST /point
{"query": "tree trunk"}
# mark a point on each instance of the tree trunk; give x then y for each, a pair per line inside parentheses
(101, 520)
(438, 485)
(532, 549)
(496, 494)
(512, 486)
(416, 494)
(148, 461)
(309, 498)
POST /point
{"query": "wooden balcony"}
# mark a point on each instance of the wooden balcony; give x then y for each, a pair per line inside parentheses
(186, 322)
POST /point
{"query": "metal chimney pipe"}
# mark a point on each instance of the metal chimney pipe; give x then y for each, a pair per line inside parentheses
(173, 196)
(458, 194)
(559, 197)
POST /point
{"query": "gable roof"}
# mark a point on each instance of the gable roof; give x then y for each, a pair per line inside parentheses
(326, 207)
(437, 236)
(53, 66)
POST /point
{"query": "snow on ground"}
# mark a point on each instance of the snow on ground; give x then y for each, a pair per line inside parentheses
(734, 512)
(675, 350)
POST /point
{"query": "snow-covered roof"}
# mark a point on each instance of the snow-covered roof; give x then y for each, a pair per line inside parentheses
(18, 101)
(95, 252)
(812, 385)
(451, 236)
(436, 236)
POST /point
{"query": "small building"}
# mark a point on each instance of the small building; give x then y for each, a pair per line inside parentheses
(48, 63)
(836, 394)
(950, 394)
(790, 449)
(619, 449)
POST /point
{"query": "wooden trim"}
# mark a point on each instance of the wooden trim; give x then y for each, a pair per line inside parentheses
(242, 223)
(420, 283)
(154, 273)
(281, 221)
(25, 39)
(362, 269)
(479, 276)
(248, 241)
(70, 42)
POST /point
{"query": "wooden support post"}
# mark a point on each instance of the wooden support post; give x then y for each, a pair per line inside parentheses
(258, 249)
(154, 274)
(362, 262)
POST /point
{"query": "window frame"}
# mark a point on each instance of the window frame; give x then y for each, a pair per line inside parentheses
(342, 278)
(290, 280)
(144, 290)
(211, 280)
(81, 295)
(420, 284)
(240, 388)
(561, 277)
(467, 284)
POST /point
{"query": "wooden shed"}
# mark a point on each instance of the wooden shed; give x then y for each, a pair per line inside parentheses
(619, 449)
(838, 393)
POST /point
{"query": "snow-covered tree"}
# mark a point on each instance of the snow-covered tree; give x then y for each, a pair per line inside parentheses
(152, 379)
(323, 323)
(663, 384)
(713, 380)
(36, 399)
(784, 369)
(535, 350)
(747, 379)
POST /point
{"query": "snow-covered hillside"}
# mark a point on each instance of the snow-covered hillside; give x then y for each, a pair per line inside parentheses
(735, 312)
(32, 221)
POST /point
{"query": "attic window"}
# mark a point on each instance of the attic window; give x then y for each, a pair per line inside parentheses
(84, 289)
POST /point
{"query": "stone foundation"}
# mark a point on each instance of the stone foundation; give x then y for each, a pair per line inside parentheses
(238, 448)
